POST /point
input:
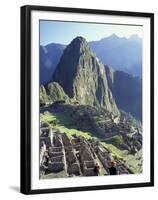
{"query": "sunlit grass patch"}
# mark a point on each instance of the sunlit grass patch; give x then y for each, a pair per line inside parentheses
(64, 123)
(121, 154)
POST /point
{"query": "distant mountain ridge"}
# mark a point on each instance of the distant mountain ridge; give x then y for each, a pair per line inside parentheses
(124, 54)
(49, 58)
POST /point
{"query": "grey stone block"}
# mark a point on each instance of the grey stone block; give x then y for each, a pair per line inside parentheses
(56, 167)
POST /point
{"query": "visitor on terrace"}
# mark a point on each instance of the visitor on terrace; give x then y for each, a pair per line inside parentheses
(112, 169)
(96, 169)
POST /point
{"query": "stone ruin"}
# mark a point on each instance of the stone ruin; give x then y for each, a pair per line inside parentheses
(73, 166)
(86, 159)
(46, 136)
(56, 154)
(75, 155)
(104, 156)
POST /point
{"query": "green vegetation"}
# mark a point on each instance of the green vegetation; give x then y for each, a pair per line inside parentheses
(116, 140)
(64, 123)
(56, 92)
(132, 161)
(43, 96)
(53, 92)
(120, 154)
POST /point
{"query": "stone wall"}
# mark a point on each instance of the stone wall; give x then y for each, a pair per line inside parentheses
(74, 155)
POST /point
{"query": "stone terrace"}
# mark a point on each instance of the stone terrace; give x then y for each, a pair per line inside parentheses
(75, 156)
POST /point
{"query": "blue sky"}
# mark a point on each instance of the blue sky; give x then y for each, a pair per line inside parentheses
(64, 32)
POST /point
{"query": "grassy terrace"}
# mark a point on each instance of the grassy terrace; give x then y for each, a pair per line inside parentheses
(64, 123)
(120, 154)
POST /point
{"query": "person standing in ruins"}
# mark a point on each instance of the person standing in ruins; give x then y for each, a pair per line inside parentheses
(96, 169)
(112, 169)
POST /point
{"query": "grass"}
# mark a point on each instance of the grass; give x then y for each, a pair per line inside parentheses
(56, 118)
(120, 154)
(71, 131)
(116, 140)
(132, 161)
(64, 123)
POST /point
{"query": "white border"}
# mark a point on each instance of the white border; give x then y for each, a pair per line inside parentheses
(87, 181)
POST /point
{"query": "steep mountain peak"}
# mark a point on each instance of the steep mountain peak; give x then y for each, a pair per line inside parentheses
(82, 76)
(112, 37)
(79, 39)
(74, 58)
(78, 45)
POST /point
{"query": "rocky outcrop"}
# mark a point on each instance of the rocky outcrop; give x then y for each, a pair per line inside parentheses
(52, 92)
(56, 92)
(43, 96)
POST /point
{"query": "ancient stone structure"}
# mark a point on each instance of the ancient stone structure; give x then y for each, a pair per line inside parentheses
(57, 161)
(104, 156)
(73, 155)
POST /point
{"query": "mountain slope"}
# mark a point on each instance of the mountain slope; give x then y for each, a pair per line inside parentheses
(127, 91)
(51, 93)
(56, 92)
(83, 77)
(49, 58)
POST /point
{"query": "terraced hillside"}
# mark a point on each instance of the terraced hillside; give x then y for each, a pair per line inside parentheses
(82, 123)
(75, 155)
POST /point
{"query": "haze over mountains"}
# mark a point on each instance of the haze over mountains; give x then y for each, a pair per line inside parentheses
(126, 90)
(49, 58)
(80, 76)
(121, 53)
